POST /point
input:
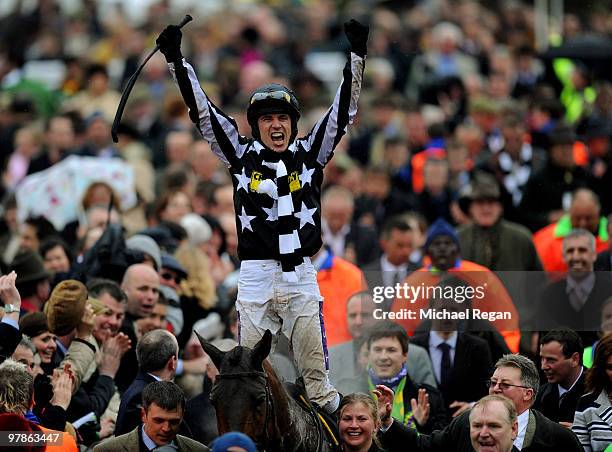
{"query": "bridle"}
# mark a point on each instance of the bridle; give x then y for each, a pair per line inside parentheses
(269, 401)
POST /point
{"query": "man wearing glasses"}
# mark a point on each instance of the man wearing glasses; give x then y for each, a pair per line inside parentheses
(277, 181)
(515, 377)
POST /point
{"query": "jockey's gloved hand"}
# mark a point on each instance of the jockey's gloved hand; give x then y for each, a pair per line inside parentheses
(169, 42)
(357, 35)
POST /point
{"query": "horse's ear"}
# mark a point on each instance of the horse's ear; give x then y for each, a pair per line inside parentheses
(215, 354)
(262, 349)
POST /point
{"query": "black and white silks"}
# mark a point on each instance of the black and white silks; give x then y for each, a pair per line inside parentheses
(277, 196)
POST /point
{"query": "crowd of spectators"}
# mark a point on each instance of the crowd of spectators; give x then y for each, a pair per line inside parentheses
(474, 159)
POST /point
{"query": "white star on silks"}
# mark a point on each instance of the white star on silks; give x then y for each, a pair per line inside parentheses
(272, 213)
(305, 215)
(245, 220)
(306, 176)
(243, 181)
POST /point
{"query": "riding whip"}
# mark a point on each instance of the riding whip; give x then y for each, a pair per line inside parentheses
(132, 81)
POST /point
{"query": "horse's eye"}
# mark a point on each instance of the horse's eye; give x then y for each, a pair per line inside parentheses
(260, 400)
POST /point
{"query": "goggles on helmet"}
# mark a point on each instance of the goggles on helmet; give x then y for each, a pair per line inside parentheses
(277, 95)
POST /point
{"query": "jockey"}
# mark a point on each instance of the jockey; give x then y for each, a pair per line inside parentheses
(277, 181)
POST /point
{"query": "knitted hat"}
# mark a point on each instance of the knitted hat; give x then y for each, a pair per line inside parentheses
(33, 324)
(198, 230)
(147, 245)
(29, 267)
(66, 306)
(441, 228)
(233, 439)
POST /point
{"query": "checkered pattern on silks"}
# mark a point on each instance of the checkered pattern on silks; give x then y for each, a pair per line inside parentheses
(288, 237)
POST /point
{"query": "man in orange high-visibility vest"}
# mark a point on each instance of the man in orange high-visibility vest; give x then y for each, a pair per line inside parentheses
(442, 250)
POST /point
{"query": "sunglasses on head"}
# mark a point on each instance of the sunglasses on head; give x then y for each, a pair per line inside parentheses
(169, 276)
(278, 95)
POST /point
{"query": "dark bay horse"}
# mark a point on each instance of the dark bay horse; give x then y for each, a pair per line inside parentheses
(249, 397)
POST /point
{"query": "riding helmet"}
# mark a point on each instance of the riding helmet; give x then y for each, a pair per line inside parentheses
(273, 98)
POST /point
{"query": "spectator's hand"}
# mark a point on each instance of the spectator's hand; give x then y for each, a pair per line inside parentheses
(384, 397)
(62, 388)
(566, 424)
(357, 35)
(113, 350)
(420, 407)
(8, 290)
(459, 407)
(169, 42)
(87, 323)
(107, 427)
(194, 350)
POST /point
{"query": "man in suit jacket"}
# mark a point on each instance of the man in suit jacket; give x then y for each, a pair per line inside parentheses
(561, 362)
(470, 366)
(344, 365)
(462, 362)
(163, 406)
(157, 354)
(397, 243)
(348, 240)
(576, 301)
(515, 377)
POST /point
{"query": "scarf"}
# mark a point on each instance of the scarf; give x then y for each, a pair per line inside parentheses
(397, 383)
(288, 237)
(392, 382)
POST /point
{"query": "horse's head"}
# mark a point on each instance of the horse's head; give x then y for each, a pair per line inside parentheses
(241, 395)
